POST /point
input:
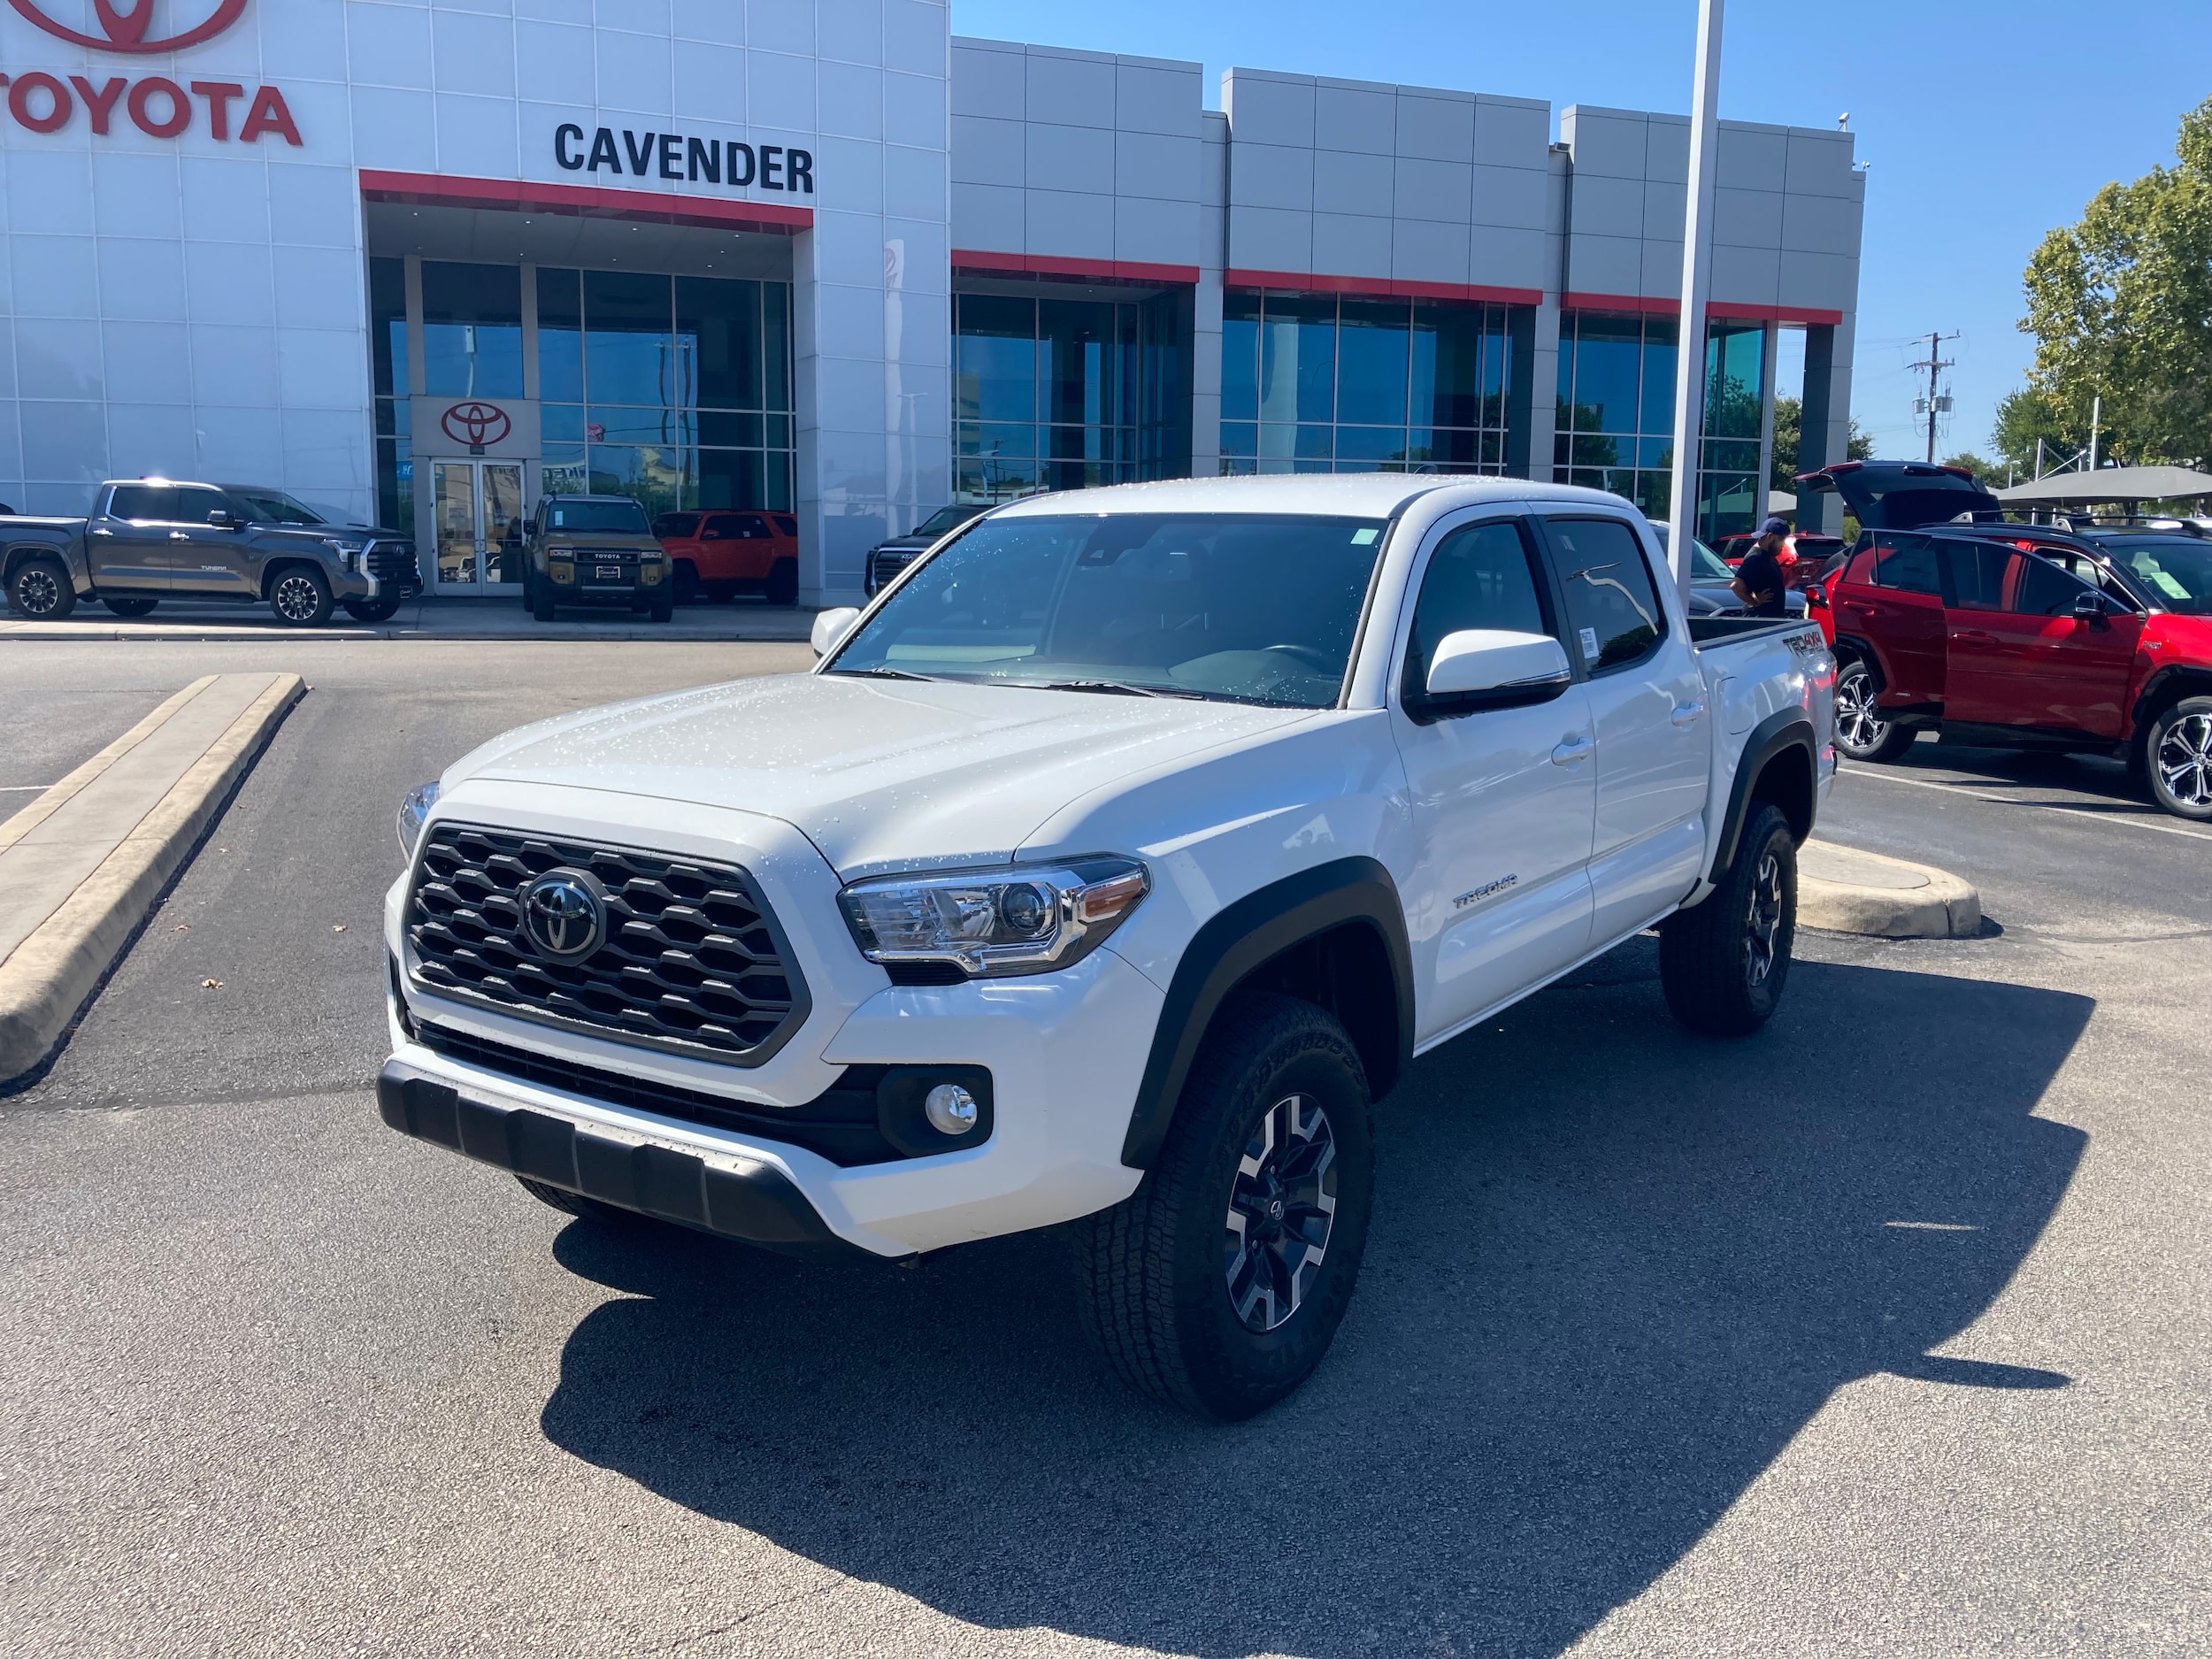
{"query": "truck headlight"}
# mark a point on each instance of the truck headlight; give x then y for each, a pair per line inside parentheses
(1009, 919)
(348, 552)
(414, 812)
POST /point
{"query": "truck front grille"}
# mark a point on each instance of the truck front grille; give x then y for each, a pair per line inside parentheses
(692, 960)
(393, 561)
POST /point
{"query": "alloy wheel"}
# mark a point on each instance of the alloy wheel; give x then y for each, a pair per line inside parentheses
(36, 591)
(1857, 725)
(297, 600)
(1764, 931)
(1281, 1213)
(2185, 761)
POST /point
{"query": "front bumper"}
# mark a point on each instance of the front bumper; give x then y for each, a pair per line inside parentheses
(735, 1197)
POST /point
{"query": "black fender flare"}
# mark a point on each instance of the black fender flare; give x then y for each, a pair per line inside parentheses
(1245, 936)
(1780, 732)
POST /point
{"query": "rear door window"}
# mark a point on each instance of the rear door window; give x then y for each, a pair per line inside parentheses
(148, 503)
(1614, 619)
(1906, 563)
(1981, 574)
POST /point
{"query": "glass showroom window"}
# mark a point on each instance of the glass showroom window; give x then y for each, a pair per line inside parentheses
(676, 390)
(1616, 426)
(1319, 383)
(388, 363)
(1045, 395)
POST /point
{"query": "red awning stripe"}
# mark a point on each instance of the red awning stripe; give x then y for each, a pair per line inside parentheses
(1734, 311)
(1082, 269)
(524, 195)
(1381, 287)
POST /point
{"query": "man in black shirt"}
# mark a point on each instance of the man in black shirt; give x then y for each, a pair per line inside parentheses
(1760, 582)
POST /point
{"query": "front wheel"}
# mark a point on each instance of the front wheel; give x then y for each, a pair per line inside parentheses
(1218, 1285)
(39, 588)
(541, 600)
(1723, 964)
(1862, 733)
(2178, 749)
(129, 604)
(300, 597)
(661, 607)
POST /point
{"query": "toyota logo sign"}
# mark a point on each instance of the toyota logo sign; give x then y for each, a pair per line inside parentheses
(131, 30)
(564, 916)
(476, 424)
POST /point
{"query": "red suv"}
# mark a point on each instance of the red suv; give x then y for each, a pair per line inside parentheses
(721, 553)
(2018, 636)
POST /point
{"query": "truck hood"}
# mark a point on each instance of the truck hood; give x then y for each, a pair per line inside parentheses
(879, 774)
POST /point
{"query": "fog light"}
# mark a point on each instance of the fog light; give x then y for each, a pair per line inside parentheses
(563, 575)
(950, 1109)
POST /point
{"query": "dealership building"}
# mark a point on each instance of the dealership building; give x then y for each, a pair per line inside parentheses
(423, 264)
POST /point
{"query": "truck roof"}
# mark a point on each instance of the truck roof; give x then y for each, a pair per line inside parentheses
(1346, 495)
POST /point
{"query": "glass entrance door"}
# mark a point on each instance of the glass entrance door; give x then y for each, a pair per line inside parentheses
(478, 507)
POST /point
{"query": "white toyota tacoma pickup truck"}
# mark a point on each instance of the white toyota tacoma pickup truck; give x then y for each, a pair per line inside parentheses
(1104, 871)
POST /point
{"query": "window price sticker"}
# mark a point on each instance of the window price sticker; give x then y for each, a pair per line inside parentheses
(1589, 645)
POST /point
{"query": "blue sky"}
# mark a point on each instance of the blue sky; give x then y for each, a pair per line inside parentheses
(1986, 123)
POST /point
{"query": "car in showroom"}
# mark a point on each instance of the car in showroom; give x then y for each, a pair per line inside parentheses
(1950, 619)
(886, 559)
(720, 553)
(595, 552)
(1101, 875)
(151, 539)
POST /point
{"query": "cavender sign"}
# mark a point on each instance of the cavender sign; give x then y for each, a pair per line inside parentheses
(695, 160)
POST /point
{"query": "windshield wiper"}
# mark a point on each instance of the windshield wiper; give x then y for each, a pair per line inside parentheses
(882, 674)
(1114, 687)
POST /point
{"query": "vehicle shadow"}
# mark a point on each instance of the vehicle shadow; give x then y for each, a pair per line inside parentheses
(1616, 1268)
(2034, 769)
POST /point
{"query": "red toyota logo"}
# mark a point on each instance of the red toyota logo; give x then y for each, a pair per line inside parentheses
(476, 424)
(126, 30)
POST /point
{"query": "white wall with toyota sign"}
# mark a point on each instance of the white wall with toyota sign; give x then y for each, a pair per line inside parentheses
(816, 257)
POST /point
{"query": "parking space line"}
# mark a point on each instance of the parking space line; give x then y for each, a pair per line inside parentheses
(1999, 800)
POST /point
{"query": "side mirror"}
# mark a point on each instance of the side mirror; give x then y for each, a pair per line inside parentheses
(1496, 668)
(2089, 607)
(831, 626)
(1815, 592)
(221, 519)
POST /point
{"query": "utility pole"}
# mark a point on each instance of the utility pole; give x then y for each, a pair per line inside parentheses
(1934, 403)
(1697, 261)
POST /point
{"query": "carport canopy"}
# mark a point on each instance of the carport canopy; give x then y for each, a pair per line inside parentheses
(2112, 484)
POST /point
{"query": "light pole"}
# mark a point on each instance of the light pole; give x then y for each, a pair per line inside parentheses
(1697, 258)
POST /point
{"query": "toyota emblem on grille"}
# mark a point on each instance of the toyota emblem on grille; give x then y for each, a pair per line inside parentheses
(564, 915)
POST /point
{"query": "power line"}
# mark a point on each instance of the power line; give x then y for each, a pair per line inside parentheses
(1937, 402)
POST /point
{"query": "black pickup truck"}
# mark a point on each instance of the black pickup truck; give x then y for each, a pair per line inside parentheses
(151, 539)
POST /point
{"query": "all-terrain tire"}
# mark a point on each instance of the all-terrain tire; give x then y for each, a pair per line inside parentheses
(686, 580)
(2177, 759)
(381, 608)
(1861, 732)
(39, 589)
(1724, 963)
(1202, 1287)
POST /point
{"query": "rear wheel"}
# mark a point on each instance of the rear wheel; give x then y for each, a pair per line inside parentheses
(2178, 753)
(300, 597)
(782, 587)
(1861, 731)
(1723, 964)
(129, 604)
(1219, 1286)
(39, 588)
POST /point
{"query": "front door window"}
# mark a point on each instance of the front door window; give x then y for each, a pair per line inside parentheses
(479, 507)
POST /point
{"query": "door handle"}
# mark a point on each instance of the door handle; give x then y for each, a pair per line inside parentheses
(1574, 750)
(1976, 637)
(1688, 713)
(179, 536)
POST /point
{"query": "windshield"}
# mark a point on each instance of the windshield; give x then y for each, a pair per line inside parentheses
(1246, 608)
(273, 506)
(1707, 566)
(2176, 571)
(602, 518)
(944, 520)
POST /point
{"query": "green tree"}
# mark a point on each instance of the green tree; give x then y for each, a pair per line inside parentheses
(1988, 474)
(1789, 419)
(2028, 416)
(2121, 307)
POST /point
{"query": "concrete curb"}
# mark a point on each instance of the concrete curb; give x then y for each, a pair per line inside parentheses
(1842, 890)
(47, 976)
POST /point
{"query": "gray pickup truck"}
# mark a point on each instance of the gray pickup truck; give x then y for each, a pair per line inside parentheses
(152, 539)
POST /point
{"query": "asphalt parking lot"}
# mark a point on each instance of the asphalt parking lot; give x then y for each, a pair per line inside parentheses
(1882, 1334)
